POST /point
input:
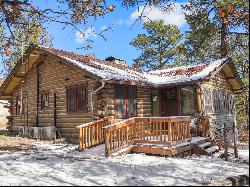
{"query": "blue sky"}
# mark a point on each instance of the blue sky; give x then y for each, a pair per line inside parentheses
(118, 38)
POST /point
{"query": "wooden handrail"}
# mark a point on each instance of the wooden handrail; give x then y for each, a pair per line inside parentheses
(92, 133)
(164, 130)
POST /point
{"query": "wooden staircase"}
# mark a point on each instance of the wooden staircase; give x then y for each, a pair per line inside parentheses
(205, 147)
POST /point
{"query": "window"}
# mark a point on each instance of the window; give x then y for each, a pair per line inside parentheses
(217, 101)
(231, 103)
(76, 99)
(155, 102)
(25, 105)
(44, 100)
(125, 101)
(188, 97)
(226, 102)
(18, 105)
(208, 101)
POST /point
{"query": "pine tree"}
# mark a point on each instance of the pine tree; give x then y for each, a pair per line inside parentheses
(159, 47)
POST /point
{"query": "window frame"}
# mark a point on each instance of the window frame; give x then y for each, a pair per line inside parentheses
(125, 99)
(207, 94)
(194, 99)
(73, 90)
(18, 105)
(216, 96)
(24, 108)
(45, 97)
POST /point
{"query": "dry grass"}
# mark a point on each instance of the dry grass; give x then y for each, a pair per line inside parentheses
(18, 143)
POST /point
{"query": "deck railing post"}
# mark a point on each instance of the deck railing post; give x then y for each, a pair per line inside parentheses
(170, 132)
(81, 138)
(106, 140)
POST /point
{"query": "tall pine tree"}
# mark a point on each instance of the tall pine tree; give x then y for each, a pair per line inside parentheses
(159, 47)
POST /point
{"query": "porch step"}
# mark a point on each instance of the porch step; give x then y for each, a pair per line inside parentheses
(151, 145)
(211, 150)
(123, 151)
(201, 141)
(218, 154)
(205, 145)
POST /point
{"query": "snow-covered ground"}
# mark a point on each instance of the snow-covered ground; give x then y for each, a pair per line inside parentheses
(63, 165)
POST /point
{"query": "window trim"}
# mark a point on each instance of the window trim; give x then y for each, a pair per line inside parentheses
(24, 110)
(44, 93)
(210, 104)
(194, 100)
(217, 107)
(125, 99)
(18, 106)
(75, 88)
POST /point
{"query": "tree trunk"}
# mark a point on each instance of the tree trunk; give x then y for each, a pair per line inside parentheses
(223, 49)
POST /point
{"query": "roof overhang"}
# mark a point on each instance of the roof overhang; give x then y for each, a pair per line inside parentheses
(35, 55)
(233, 77)
(228, 68)
(18, 73)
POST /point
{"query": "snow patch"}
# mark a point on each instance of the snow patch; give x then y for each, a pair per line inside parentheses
(23, 168)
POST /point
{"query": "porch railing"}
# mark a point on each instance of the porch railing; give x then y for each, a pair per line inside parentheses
(92, 133)
(155, 130)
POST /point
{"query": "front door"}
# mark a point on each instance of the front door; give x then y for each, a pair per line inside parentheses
(169, 102)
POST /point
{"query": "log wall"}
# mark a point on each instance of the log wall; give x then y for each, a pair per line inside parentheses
(219, 82)
(55, 77)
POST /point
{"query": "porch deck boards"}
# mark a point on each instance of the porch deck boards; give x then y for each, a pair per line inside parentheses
(179, 149)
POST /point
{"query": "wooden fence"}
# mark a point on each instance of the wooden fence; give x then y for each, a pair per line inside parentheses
(155, 130)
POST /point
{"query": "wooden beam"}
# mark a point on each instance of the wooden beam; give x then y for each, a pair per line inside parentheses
(198, 100)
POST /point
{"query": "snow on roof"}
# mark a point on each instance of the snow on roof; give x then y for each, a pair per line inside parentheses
(117, 72)
(185, 73)
(107, 72)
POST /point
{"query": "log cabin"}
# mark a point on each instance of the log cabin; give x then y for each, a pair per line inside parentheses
(55, 88)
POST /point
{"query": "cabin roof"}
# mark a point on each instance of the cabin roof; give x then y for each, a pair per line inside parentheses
(123, 74)
(189, 73)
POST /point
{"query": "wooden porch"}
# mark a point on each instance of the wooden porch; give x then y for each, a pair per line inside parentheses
(166, 136)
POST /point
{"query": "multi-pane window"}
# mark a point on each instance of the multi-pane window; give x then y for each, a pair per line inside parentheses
(216, 101)
(18, 105)
(226, 103)
(155, 102)
(76, 99)
(231, 103)
(125, 101)
(208, 101)
(44, 100)
(25, 105)
(188, 104)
